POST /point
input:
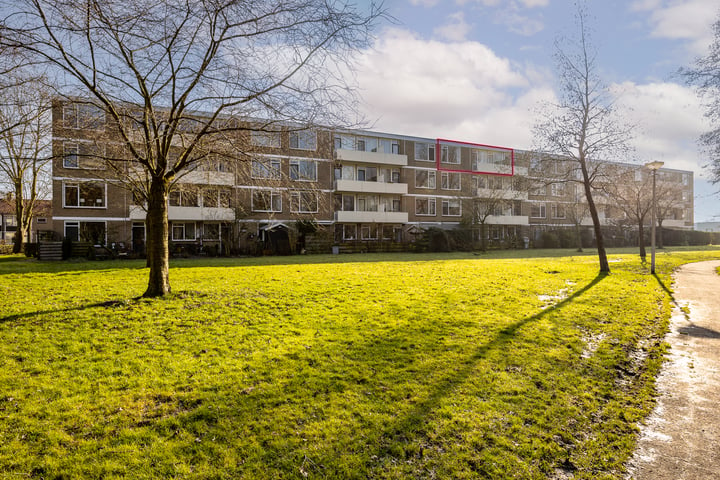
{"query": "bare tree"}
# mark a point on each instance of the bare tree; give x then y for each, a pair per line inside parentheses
(24, 149)
(175, 79)
(577, 211)
(705, 74)
(583, 127)
(633, 196)
(491, 196)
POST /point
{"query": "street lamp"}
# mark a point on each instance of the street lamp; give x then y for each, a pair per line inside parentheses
(653, 167)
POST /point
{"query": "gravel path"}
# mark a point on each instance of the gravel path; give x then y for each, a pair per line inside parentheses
(681, 439)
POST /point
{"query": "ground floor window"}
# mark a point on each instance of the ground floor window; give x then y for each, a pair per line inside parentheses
(91, 232)
(349, 232)
(368, 232)
(183, 231)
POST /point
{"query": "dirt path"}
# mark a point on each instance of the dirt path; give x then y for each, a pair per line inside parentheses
(681, 440)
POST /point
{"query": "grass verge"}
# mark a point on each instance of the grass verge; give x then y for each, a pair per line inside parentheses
(416, 366)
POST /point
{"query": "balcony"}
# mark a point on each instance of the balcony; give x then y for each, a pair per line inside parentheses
(209, 178)
(371, 157)
(508, 220)
(208, 214)
(371, 217)
(501, 194)
(371, 187)
(494, 168)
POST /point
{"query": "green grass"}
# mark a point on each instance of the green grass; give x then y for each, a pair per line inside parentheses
(358, 366)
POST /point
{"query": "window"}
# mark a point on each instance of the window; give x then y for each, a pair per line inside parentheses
(303, 170)
(212, 163)
(686, 179)
(425, 179)
(216, 197)
(183, 231)
(389, 146)
(303, 140)
(450, 154)
(557, 211)
(425, 152)
(349, 232)
(557, 189)
(211, 231)
(344, 142)
(41, 220)
(537, 210)
(265, 139)
(495, 183)
(450, 181)
(82, 155)
(72, 231)
(425, 206)
(348, 203)
(266, 168)
(480, 181)
(389, 204)
(184, 196)
(84, 194)
(451, 208)
(266, 201)
(368, 232)
(85, 116)
(367, 174)
(303, 202)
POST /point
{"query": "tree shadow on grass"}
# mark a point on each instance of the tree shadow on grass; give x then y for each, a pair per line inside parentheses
(413, 420)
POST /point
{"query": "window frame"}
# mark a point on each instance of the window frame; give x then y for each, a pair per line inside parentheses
(295, 170)
(297, 201)
(446, 208)
(445, 183)
(431, 174)
(428, 149)
(273, 195)
(185, 238)
(266, 138)
(542, 208)
(431, 207)
(271, 166)
(295, 142)
(78, 186)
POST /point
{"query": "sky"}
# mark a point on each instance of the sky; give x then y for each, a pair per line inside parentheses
(479, 70)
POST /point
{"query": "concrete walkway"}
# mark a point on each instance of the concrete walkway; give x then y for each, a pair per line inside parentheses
(681, 440)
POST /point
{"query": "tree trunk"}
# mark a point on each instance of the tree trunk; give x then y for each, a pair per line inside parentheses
(602, 255)
(158, 258)
(483, 237)
(641, 239)
(578, 237)
(19, 216)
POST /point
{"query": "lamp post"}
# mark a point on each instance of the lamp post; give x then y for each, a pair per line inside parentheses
(653, 167)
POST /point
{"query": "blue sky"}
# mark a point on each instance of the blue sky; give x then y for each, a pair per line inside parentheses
(477, 70)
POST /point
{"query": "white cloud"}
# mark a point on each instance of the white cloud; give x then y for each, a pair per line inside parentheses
(688, 20)
(424, 3)
(459, 90)
(456, 28)
(535, 3)
(669, 119)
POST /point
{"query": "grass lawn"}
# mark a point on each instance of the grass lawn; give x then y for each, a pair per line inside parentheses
(337, 367)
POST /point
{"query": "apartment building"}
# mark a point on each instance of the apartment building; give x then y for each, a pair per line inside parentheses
(275, 190)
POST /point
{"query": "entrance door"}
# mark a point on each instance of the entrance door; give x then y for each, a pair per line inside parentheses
(138, 238)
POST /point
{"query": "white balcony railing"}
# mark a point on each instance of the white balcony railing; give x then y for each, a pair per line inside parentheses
(371, 187)
(371, 157)
(371, 217)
